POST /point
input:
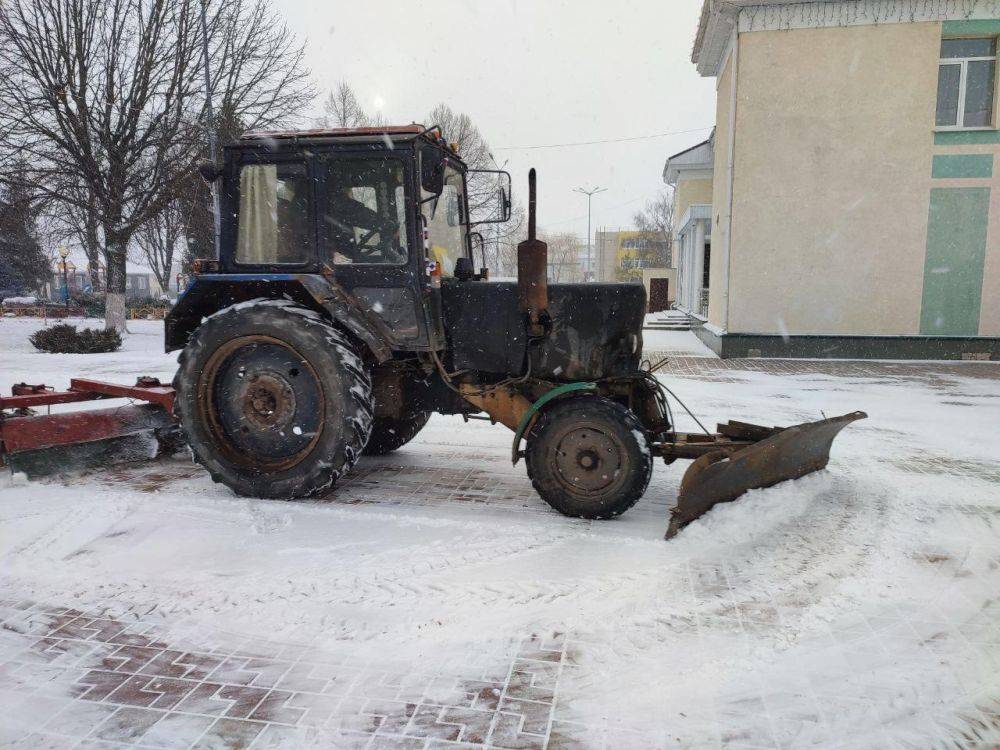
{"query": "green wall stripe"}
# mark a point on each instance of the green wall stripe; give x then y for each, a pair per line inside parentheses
(986, 27)
(953, 166)
(966, 137)
(953, 266)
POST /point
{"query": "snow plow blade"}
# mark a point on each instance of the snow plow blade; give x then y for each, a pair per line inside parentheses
(45, 444)
(779, 454)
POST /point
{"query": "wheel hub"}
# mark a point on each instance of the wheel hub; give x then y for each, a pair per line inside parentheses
(588, 459)
(268, 401)
(265, 404)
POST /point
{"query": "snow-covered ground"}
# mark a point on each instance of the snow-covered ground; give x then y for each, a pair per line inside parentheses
(432, 600)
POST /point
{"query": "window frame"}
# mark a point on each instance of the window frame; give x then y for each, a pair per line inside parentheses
(963, 66)
(258, 160)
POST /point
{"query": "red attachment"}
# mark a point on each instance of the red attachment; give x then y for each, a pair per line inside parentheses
(81, 389)
(20, 434)
(23, 432)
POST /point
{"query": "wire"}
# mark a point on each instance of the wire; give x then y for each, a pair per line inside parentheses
(677, 399)
(606, 140)
(605, 208)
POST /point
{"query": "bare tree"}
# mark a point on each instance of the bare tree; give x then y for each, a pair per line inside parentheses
(158, 240)
(76, 221)
(341, 109)
(108, 95)
(564, 256)
(657, 219)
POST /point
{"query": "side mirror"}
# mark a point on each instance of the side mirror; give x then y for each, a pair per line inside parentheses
(495, 210)
(432, 164)
(208, 171)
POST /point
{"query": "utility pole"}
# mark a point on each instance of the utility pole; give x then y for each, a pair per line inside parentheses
(590, 194)
(210, 117)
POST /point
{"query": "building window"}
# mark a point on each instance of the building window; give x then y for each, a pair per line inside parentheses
(966, 83)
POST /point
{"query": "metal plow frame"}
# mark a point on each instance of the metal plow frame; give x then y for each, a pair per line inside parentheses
(743, 457)
(41, 444)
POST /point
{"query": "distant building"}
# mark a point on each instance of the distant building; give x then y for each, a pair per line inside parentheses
(848, 204)
(138, 285)
(631, 255)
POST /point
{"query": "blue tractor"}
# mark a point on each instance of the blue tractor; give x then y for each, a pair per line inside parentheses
(346, 307)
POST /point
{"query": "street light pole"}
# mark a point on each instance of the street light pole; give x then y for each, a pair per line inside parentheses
(210, 117)
(590, 194)
(64, 253)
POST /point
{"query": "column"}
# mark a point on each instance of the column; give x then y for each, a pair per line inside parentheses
(698, 265)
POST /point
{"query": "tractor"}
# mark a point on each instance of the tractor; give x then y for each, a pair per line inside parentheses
(346, 306)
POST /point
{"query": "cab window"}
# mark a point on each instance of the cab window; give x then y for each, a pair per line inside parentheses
(445, 223)
(274, 225)
(363, 219)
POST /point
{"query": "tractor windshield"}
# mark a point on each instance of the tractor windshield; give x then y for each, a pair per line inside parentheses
(446, 223)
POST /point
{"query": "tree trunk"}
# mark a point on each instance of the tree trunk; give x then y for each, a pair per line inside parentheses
(92, 248)
(114, 298)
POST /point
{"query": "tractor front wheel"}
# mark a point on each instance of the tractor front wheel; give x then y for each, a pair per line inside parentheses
(274, 400)
(588, 457)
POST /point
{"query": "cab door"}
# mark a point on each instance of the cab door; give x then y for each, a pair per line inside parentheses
(363, 201)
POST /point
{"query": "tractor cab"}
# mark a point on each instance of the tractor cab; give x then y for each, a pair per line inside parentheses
(381, 213)
(374, 226)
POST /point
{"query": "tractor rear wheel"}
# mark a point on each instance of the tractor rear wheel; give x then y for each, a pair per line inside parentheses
(588, 458)
(389, 433)
(274, 401)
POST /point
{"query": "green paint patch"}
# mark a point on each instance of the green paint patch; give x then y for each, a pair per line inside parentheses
(974, 27)
(966, 137)
(954, 166)
(953, 266)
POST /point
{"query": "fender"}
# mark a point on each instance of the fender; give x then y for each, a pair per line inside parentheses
(209, 293)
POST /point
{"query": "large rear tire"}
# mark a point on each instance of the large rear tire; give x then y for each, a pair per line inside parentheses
(274, 401)
(588, 457)
(390, 434)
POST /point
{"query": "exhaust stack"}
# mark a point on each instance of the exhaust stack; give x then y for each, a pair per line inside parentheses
(532, 271)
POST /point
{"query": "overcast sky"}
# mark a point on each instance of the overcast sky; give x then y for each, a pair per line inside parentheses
(530, 72)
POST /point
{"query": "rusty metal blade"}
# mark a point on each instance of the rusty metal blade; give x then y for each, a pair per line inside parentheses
(721, 477)
(57, 443)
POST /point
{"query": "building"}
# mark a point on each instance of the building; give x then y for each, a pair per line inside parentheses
(622, 254)
(633, 255)
(690, 174)
(138, 286)
(848, 203)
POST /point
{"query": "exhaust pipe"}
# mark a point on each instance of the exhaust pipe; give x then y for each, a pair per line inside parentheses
(532, 271)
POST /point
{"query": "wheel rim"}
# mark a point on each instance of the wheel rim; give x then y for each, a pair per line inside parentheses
(589, 461)
(262, 402)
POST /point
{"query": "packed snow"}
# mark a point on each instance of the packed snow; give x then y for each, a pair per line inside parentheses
(857, 607)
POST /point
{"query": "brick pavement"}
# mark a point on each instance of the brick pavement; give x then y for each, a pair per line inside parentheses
(96, 680)
(126, 677)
